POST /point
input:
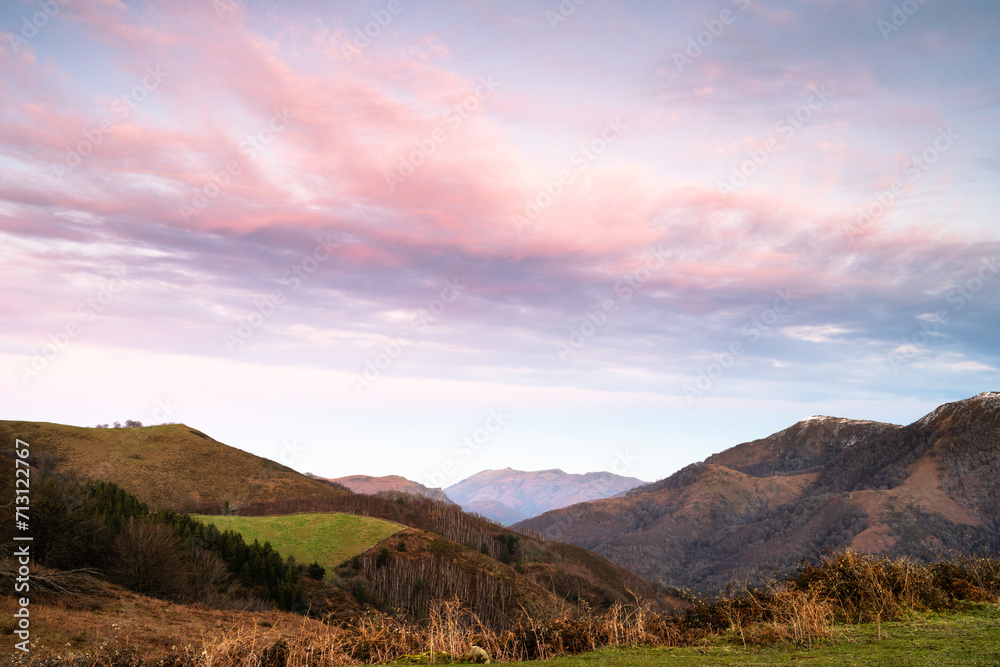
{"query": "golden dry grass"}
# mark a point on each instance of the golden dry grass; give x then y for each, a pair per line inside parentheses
(171, 466)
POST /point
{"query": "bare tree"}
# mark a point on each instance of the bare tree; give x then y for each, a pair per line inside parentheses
(210, 577)
(150, 559)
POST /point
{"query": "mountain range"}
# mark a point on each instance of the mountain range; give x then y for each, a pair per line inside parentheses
(824, 483)
(508, 495)
(505, 496)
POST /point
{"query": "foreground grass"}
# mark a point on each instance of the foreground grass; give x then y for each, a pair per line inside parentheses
(969, 636)
(329, 539)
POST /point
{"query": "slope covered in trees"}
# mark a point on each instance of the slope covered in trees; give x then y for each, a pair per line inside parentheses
(101, 527)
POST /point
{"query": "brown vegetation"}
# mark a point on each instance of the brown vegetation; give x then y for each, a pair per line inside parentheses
(845, 588)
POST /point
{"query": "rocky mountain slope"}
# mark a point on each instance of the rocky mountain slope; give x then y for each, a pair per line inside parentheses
(510, 495)
(824, 483)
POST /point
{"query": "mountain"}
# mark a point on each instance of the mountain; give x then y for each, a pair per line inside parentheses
(510, 495)
(824, 483)
(171, 466)
(390, 484)
(177, 467)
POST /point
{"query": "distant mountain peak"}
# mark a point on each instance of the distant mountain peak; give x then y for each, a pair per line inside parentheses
(509, 495)
(389, 484)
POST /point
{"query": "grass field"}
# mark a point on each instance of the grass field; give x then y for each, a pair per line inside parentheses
(329, 539)
(970, 636)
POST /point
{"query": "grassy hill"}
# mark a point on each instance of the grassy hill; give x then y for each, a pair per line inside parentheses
(570, 573)
(177, 467)
(328, 539)
(171, 466)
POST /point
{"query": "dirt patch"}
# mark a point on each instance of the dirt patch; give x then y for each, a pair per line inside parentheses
(875, 539)
(923, 487)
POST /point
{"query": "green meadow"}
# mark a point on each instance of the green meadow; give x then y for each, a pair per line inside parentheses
(329, 539)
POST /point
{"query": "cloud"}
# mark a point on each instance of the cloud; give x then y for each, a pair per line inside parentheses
(213, 181)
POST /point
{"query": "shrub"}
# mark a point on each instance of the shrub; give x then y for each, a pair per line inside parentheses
(316, 571)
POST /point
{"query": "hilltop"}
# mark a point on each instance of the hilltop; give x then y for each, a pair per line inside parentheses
(170, 466)
(824, 483)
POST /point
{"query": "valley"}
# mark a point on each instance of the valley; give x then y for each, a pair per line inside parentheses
(248, 541)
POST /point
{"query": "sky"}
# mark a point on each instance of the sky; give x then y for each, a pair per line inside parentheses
(431, 238)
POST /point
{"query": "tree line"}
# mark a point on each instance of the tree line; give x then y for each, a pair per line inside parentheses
(101, 527)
